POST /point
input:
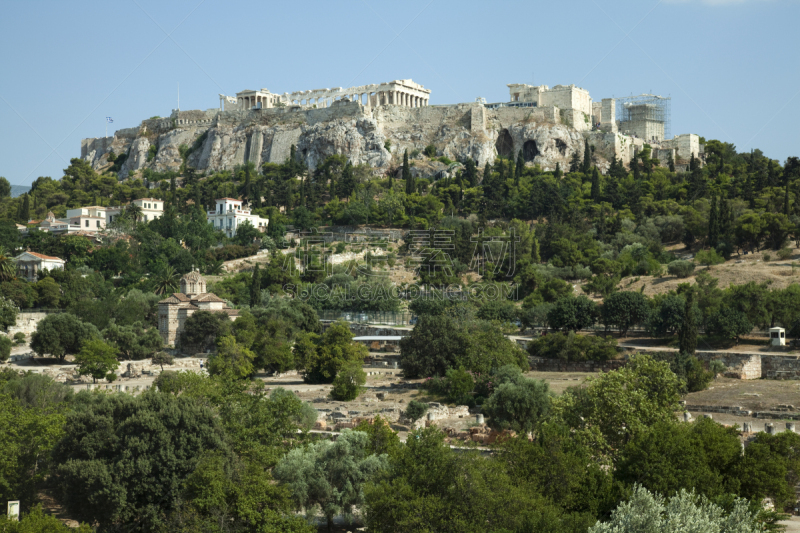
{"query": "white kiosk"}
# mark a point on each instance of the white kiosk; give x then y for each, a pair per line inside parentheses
(777, 336)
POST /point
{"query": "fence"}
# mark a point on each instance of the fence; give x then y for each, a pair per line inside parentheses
(386, 318)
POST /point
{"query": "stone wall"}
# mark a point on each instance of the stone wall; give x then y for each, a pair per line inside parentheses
(739, 366)
(539, 364)
(780, 366)
(26, 323)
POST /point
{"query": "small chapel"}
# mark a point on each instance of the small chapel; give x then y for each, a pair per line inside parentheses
(175, 310)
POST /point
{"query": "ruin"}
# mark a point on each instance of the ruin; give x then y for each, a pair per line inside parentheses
(397, 92)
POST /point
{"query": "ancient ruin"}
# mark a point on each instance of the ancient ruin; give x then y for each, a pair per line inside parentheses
(376, 124)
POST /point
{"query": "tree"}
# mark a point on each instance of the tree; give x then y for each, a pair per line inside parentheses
(708, 258)
(687, 333)
(622, 403)
(349, 382)
(246, 233)
(36, 521)
(25, 209)
(97, 359)
(625, 309)
(201, 330)
(330, 353)
(671, 456)
(5, 348)
(680, 268)
(134, 342)
(98, 478)
(518, 406)
(8, 270)
(587, 157)
(330, 475)
(48, 292)
(520, 167)
(8, 313)
(255, 287)
(729, 323)
(165, 280)
(713, 223)
(667, 315)
(572, 314)
(162, 358)
(595, 192)
(27, 435)
(61, 334)
(232, 359)
(439, 343)
(407, 178)
(416, 410)
(5, 188)
(649, 513)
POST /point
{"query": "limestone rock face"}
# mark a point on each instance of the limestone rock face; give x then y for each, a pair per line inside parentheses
(137, 156)
(220, 141)
(360, 140)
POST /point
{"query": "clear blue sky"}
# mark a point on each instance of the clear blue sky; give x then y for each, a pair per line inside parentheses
(731, 67)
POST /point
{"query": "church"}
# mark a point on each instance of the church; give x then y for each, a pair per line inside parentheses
(175, 310)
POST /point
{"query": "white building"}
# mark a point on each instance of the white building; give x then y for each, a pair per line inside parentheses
(229, 214)
(30, 263)
(152, 208)
(92, 218)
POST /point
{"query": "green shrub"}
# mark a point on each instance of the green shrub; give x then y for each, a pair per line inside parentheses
(766, 257)
(5, 348)
(151, 152)
(414, 153)
(784, 254)
(573, 347)
(680, 268)
(416, 410)
(709, 257)
(340, 247)
(430, 151)
(19, 338)
(349, 382)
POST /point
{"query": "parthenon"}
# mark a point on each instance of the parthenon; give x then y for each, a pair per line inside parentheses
(397, 92)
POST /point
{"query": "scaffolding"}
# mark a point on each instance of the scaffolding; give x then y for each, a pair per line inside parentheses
(645, 108)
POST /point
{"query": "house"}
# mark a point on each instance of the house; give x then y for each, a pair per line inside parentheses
(229, 214)
(30, 263)
(92, 218)
(175, 310)
(151, 209)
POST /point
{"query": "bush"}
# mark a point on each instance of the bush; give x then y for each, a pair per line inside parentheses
(766, 257)
(680, 268)
(784, 254)
(5, 348)
(416, 410)
(430, 151)
(518, 406)
(570, 313)
(573, 347)
(349, 382)
(624, 310)
(19, 338)
(709, 257)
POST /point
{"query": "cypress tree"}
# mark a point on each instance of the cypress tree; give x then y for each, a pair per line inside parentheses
(487, 174)
(723, 222)
(255, 287)
(786, 195)
(575, 162)
(557, 174)
(407, 174)
(687, 333)
(520, 167)
(25, 211)
(535, 256)
(671, 163)
(595, 185)
(248, 187)
(693, 163)
(713, 223)
(470, 172)
(637, 175)
(587, 157)
(347, 182)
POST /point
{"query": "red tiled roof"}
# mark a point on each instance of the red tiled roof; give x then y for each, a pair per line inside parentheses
(207, 297)
(46, 257)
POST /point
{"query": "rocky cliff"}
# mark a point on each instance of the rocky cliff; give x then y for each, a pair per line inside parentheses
(213, 141)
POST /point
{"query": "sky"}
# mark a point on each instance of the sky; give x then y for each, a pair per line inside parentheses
(731, 67)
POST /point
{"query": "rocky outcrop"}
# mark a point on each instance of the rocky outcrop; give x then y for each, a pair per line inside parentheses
(214, 141)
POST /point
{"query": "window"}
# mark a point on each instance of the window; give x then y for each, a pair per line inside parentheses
(98, 223)
(87, 223)
(145, 218)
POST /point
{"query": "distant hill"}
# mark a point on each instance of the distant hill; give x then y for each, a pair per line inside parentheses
(19, 190)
